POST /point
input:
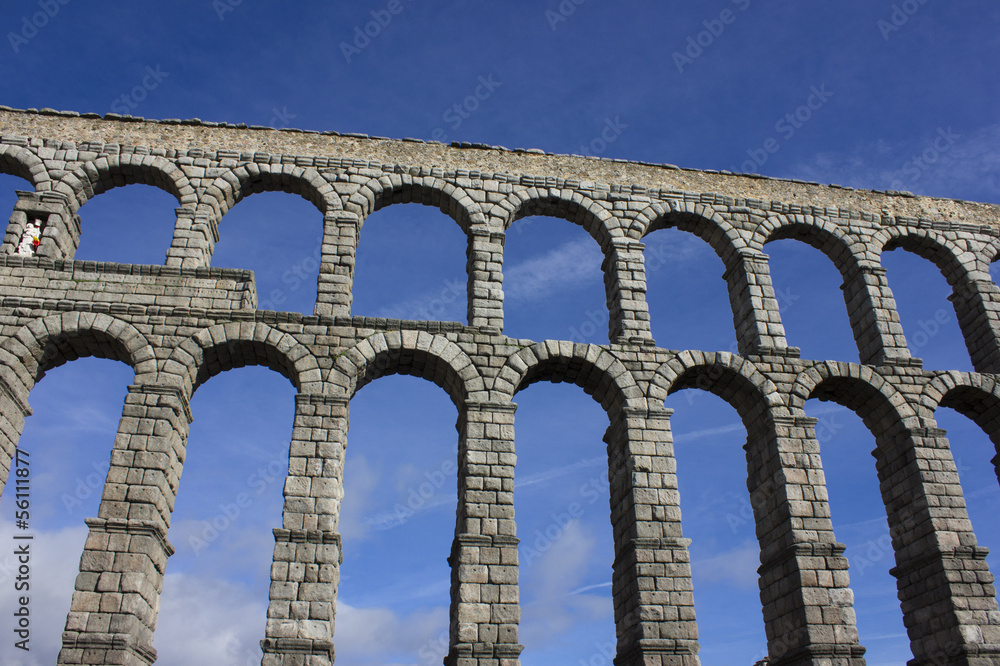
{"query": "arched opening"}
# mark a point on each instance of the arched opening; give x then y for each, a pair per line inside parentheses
(688, 302)
(67, 442)
(397, 523)
(411, 264)
(553, 282)
(973, 453)
(859, 522)
(278, 236)
(9, 185)
(215, 592)
(133, 224)
(921, 293)
(807, 285)
(562, 507)
(716, 514)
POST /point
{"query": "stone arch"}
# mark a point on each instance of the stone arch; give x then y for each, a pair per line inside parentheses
(734, 379)
(48, 342)
(454, 201)
(237, 344)
(595, 370)
(100, 175)
(845, 252)
(240, 182)
(954, 263)
(564, 204)
(21, 162)
(415, 353)
(857, 387)
(973, 395)
(699, 219)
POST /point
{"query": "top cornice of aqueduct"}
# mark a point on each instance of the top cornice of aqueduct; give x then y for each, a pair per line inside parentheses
(194, 134)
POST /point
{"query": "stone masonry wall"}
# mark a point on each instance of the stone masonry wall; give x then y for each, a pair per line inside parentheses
(179, 324)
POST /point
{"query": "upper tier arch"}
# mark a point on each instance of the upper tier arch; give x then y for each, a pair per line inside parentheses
(100, 175)
(240, 182)
(20, 162)
(564, 204)
(846, 252)
(699, 219)
(377, 193)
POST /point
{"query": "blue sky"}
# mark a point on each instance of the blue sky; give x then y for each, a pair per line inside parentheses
(700, 84)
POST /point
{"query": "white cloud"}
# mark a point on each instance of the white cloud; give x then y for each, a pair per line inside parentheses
(564, 267)
(736, 567)
(361, 481)
(969, 161)
(55, 558)
(379, 636)
(554, 600)
(206, 622)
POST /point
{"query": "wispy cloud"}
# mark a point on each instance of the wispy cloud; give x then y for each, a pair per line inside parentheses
(944, 162)
(569, 265)
(735, 567)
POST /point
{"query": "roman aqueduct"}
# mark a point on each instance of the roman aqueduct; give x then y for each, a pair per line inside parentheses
(180, 323)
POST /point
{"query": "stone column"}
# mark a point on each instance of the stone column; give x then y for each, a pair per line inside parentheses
(195, 236)
(14, 409)
(485, 607)
(484, 268)
(651, 579)
(114, 608)
(305, 573)
(336, 268)
(625, 284)
(874, 319)
(804, 585)
(47, 217)
(945, 586)
(755, 309)
(977, 304)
